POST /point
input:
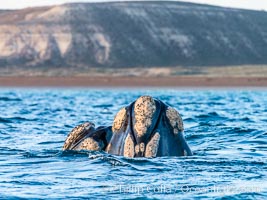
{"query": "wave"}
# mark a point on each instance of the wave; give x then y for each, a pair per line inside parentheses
(15, 119)
(9, 99)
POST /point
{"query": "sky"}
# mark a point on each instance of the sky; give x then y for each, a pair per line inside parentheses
(247, 4)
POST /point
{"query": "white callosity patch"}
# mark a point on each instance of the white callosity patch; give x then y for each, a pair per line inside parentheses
(140, 148)
(90, 144)
(119, 120)
(128, 147)
(175, 120)
(73, 135)
(152, 146)
(144, 108)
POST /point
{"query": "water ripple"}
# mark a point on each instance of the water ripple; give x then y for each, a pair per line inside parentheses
(226, 130)
(9, 99)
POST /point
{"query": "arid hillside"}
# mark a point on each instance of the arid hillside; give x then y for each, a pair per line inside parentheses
(132, 34)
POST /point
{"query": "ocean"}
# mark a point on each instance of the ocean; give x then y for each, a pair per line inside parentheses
(225, 128)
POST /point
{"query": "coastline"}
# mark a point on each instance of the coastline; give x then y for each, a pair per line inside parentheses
(131, 81)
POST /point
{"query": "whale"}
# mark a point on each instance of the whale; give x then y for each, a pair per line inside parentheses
(146, 127)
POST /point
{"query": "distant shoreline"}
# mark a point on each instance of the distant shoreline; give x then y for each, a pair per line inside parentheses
(116, 81)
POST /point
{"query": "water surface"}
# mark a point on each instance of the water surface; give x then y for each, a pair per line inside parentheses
(226, 129)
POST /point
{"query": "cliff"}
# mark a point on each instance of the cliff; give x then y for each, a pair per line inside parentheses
(132, 34)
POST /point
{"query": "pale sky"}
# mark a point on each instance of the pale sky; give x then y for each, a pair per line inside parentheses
(248, 4)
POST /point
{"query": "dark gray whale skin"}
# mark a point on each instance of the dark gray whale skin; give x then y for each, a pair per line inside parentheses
(145, 128)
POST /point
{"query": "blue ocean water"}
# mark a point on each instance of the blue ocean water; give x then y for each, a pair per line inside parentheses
(226, 129)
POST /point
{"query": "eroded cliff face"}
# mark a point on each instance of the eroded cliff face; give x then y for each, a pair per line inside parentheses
(132, 34)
